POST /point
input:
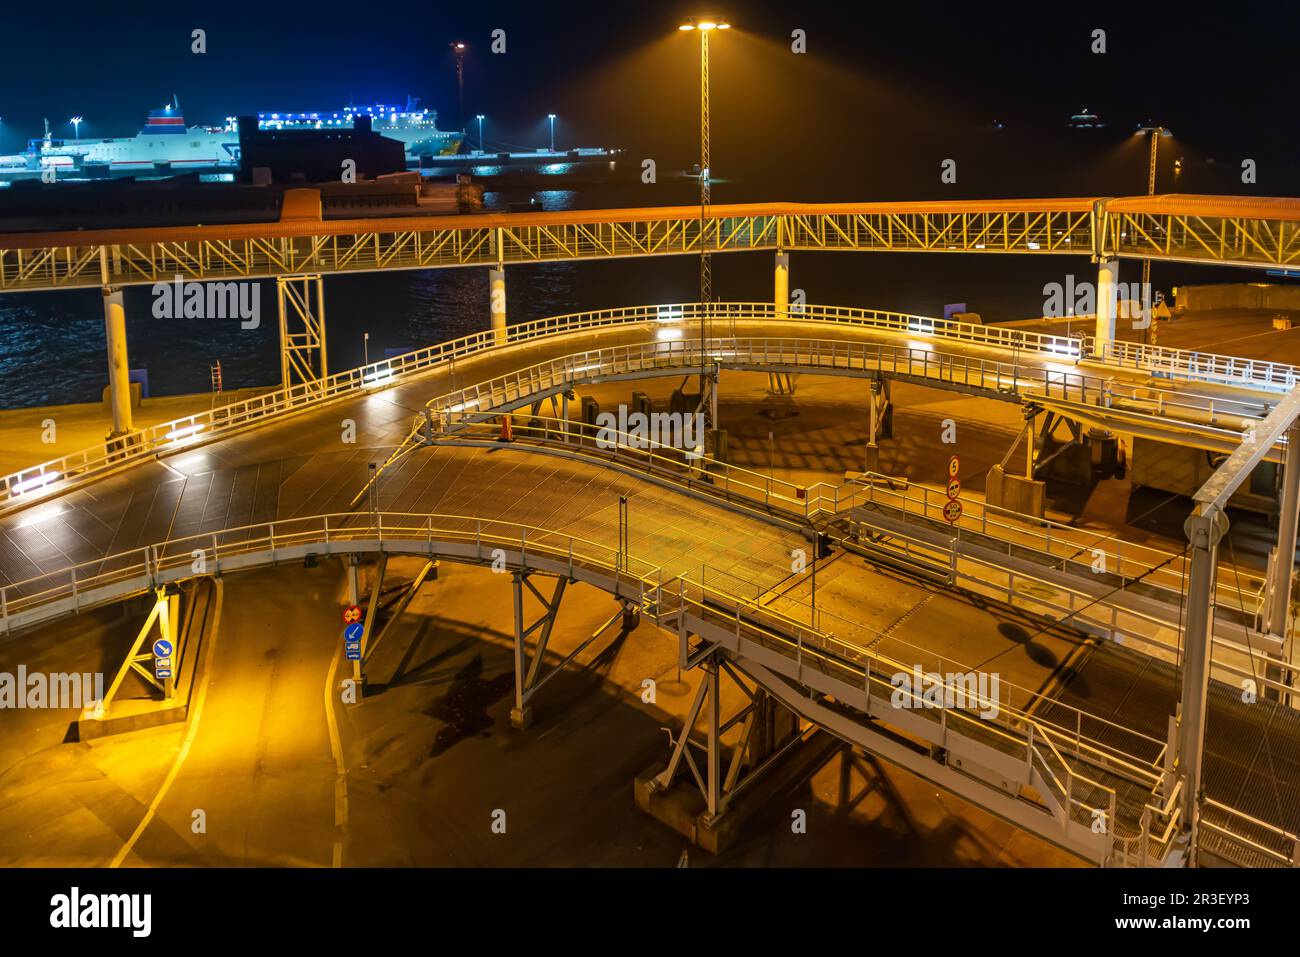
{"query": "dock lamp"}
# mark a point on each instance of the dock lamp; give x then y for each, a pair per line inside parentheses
(551, 117)
(479, 117)
(76, 122)
(1155, 132)
(704, 26)
(458, 51)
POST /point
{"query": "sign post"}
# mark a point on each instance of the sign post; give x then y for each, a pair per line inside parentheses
(162, 666)
(352, 640)
(952, 509)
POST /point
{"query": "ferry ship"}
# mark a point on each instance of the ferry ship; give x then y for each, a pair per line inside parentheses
(417, 129)
(165, 146)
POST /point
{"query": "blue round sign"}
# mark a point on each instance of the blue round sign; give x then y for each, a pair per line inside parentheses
(354, 632)
(162, 648)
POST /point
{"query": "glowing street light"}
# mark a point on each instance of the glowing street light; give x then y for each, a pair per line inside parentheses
(704, 26)
(1155, 132)
(458, 48)
(76, 122)
(479, 117)
(551, 117)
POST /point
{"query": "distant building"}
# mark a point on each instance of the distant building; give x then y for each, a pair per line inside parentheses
(315, 156)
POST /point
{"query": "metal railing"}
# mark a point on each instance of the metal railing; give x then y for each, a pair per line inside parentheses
(1197, 366)
(37, 481)
(1056, 755)
(1039, 541)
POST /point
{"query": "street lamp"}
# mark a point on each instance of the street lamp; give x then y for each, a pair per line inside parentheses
(76, 122)
(458, 49)
(1154, 133)
(551, 117)
(479, 117)
(704, 26)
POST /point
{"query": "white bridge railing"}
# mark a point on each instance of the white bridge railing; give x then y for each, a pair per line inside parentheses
(1060, 760)
(35, 482)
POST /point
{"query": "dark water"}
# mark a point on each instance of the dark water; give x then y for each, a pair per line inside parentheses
(52, 348)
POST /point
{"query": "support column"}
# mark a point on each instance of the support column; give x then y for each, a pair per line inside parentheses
(1283, 564)
(1204, 533)
(497, 303)
(300, 301)
(714, 770)
(519, 715)
(781, 296)
(871, 456)
(119, 370)
(1107, 303)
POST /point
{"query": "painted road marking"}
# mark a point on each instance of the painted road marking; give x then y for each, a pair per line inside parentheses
(190, 734)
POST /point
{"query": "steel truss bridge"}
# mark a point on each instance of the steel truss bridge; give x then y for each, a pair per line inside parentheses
(1056, 772)
(1234, 231)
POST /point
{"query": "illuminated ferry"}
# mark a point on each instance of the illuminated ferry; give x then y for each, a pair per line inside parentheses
(417, 129)
(165, 146)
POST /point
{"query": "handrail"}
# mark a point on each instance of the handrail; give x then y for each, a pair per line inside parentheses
(172, 560)
(198, 428)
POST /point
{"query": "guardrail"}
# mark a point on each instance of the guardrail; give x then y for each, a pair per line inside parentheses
(1197, 366)
(920, 362)
(35, 482)
(1246, 840)
(1041, 540)
(1054, 753)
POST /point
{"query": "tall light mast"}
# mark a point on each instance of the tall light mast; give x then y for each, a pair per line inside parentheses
(704, 26)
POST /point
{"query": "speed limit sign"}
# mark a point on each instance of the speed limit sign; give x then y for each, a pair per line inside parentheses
(954, 466)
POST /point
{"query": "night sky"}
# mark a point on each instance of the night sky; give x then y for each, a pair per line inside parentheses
(882, 96)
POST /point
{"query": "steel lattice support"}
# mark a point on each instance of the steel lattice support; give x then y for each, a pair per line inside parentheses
(1257, 233)
(753, 754)
(528, 674)
(166, 615)
(301, 304)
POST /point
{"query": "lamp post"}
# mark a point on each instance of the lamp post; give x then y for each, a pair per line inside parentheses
(76, 122)
(479, 117)
(458, 49)
(704, 26)
(551, 117)
(1154, 132)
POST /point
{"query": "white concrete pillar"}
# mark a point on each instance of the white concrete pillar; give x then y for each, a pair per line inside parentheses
(1107, 303)
(119, 370)
(781, 294)
(497, 303)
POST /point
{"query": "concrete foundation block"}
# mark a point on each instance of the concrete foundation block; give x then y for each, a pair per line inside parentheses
(1016, 493)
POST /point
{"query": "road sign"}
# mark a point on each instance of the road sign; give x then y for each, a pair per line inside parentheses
(353, 632)
(162, 667)
(954, 466)
(352, 613)
(162, 648)
(352, 650)
(954, 488)
(952, 511)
